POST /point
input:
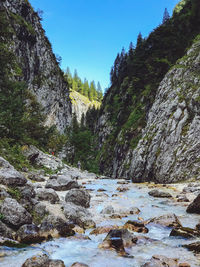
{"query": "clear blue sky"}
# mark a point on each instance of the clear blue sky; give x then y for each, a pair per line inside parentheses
(88, 34)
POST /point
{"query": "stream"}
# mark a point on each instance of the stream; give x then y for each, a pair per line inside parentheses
(72, 250)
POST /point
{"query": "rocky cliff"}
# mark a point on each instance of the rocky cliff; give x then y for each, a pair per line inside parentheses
(40, 69)
(81, 104)
(168, 150)
(170, 146)
(135, 124)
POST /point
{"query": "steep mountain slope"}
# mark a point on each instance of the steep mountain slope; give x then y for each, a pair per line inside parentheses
(135, 78)
(170, 146)
(40, 69)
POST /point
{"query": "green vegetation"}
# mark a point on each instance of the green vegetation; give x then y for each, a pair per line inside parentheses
(91, 91)
(82, 142)
(14, 192)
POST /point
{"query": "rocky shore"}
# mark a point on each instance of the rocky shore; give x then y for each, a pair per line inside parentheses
(57, 201)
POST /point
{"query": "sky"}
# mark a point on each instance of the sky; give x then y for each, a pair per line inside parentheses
(88, 34)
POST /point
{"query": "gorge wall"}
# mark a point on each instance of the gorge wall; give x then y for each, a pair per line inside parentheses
(149, 122)
(40, 69)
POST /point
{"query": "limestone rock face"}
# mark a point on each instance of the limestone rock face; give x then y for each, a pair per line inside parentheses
(168, 150)
(40, 68)
(170, 145)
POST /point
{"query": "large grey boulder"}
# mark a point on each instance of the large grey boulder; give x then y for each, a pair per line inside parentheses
(9, 176)
(29, 234)
(5, 231)
(39, 158)
(47, 194)
(53, 226)
(14, 214)
(42, 261)
(78, 215)
(78, 197)
(62, 183)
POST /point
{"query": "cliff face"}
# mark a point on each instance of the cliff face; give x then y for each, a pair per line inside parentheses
(40, 69)
(81, 104)
(170, 146)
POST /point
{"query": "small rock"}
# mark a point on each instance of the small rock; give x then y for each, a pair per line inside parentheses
(184, 264)
(136, 226)
(108, 210)
(78, 197)
(103, 229)
(182, 198)
(79, 264)
(167, 220)
(47, 194)
(193, 246)
(101, 190)
(161, 261)
(134, 210)
(122, 189)
(161, 194)
(185, 232)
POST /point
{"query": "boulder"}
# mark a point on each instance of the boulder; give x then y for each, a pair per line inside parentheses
(14, 214)
(3, 194)
(5, 231)
(78, 215)
(194, 207)
(167, 220)
(136, 226)
(9, 176)
(29, 234)
(42, 261)
(47, 194)
(161, 194)
(161, 261)
(185, 232)
(134, 210)
(78, 197)
(62, 183)
(27, 192)
(108, 210)
(103, 229)
(36, 156)
(79, 264)
(119, 239)
(182, 198)
(195, 246)
(53, 226)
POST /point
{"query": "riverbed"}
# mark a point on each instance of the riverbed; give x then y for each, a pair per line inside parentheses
(72, 250)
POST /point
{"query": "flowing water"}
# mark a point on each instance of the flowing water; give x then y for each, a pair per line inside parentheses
(71, 250)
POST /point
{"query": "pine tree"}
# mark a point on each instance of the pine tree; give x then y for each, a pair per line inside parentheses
(166, 16)
(86, 88)
(99, 92)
